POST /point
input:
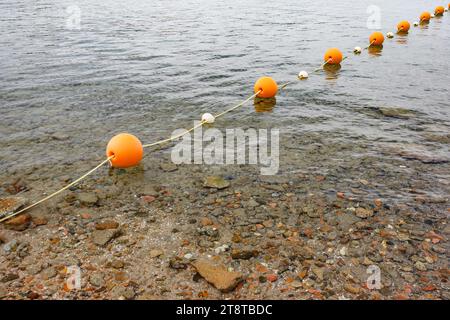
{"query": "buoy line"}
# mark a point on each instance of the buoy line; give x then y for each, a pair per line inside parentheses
(125, 150)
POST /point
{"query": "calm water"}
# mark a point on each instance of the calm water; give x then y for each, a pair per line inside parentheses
(148, 67)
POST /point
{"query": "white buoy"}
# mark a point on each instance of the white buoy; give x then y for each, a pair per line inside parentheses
(432, 16)
(390, 35)
(357, 50)
(208, 118)
(303, 75)
(445, 9)
(416, 24)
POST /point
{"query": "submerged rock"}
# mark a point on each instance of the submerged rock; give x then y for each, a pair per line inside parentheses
(11, 204)
(218, 275)
(216, 182)
(396, 112)
(88, 198)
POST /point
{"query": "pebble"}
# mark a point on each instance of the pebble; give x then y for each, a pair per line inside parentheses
(39, 221)
(218, 275)
(121, 292)
(97, 279)
(11, 246)
(363, 213)
(318, 272)
(154, 253)
(102, 237)
(352, 289)
(420, 266)
(87, 198)
(48, 273)
(9, 277)
(177, 263)
(244, 254)
(108, 224)
(117, 264)
(168, 166)
(216, 182)
(18, 223)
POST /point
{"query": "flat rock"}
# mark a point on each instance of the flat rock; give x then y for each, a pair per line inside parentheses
(346, 220)
(88, 198)
(9, 277)
(102, 237)
(363, 213)
(11, 204)
(154, 253)
(168, 166)
(97, 279)
(218, 275)
(244, 254)
(216, 182)
(394, 112)
(18, 223)
(107, 224)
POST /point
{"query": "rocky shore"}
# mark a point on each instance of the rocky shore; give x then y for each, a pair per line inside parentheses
(162, 231)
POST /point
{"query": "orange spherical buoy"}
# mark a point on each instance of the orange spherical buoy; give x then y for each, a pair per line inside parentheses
(267, 86)
(333, 56)
(425, 16)
(126, 150)
(403, 26)
(439, 11)
(376, 39)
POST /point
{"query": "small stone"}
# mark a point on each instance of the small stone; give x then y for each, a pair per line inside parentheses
(11, 246)
(121, 292)
(420, 266)
(343, 251)
(108, 224)
(396, 112)
(39, 221)
(88, 198)
(97, 279)
(34, 268)
(272, 277)
(102, 237)
(9, 277)
(117, 264)
(154, 253)
(351, 289)
(218, 275)
(244, 254)
(216, 182)
(168, 166)
(318, 272)
(177, 263)
(49, 273)
(11, 204)
(18, 223)
(33, 295)
(206, 222)
(363, 213)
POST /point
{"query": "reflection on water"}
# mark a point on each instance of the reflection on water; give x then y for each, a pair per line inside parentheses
(264, 104)
(402, 38)
(375, 50)
(332, 71)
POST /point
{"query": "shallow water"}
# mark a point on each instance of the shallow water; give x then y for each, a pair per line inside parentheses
(149, 67)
